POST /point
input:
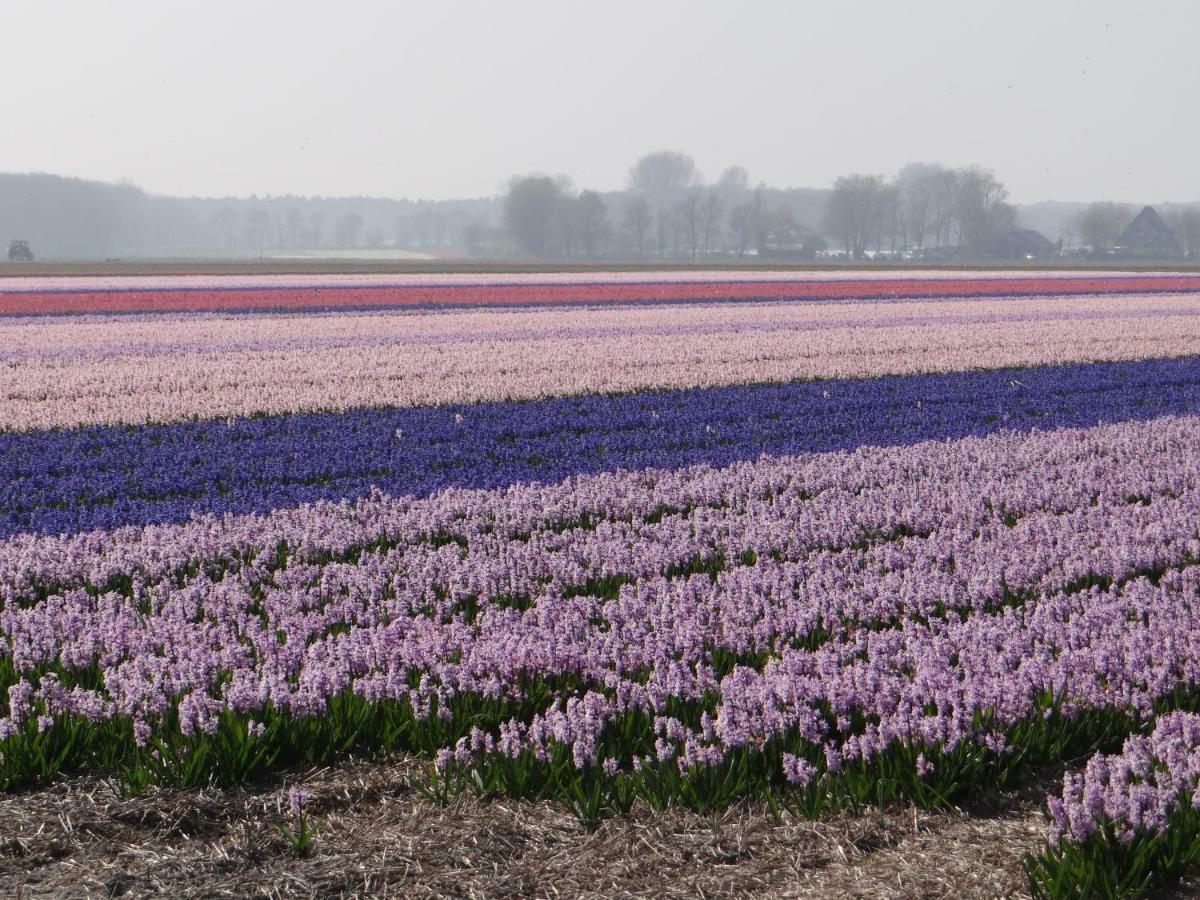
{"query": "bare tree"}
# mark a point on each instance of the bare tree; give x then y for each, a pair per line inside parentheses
(663, 176)
(758, 222)
(666, 233)
(591, 213)
(978, 195)
(293, 227)
(1101, 224)
(891, 219)
(565, 237)
(741, 223)
(665, 179)
(1002, 217)
(945, 199)
(225, 222)
(258, 229)
(918, 183)
(636, 222)
(532, 211)
(1186, 225)
(423, 227)
(854, 214)
(437, 227)
(687, 212)
(474, 237)
(734, 181)
(347, 229)
(710, 221)
(316, 228)
(402, 230)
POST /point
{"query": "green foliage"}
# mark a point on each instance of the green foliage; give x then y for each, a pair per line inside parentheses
(1109, 868)
(300, 838)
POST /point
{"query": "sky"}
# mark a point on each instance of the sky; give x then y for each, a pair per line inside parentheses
(1063, 99)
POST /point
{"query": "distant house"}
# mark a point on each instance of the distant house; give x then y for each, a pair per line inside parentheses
(1020, 243)
(1148, 237)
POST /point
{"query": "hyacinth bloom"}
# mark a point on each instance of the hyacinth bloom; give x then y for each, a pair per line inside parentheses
(196, 293)
(1020, 515)
(71, 371)
(103, 477)
(823, 522)
(1136, 790)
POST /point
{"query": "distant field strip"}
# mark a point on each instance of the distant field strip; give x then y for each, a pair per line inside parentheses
(28, 296)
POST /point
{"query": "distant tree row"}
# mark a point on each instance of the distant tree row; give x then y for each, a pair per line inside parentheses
(665, 212)
(74, 218)
(255, 227)
(68, 217)
(925, 206)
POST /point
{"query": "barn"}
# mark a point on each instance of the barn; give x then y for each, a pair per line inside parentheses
(1148, 237)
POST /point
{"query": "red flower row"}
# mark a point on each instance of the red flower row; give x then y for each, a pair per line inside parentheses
(293, 298)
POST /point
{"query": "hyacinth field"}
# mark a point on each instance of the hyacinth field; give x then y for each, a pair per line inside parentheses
(830, 540)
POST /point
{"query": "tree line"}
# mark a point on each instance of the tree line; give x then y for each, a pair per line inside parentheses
(75, 218)
(925, 206)
(667, 212)
(664, 211)
(258, 225)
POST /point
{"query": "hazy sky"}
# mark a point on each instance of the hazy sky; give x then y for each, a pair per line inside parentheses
(1065, 99)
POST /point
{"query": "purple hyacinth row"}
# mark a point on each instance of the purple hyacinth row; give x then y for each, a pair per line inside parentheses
(941, 591)
(1136, 791)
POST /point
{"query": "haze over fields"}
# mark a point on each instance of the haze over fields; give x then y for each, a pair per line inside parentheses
(1069, 102)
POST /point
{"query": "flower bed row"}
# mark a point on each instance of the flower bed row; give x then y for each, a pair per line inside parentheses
(202, 281)
(425, 360)
(80, 479)
(945, 611)
(142, 295)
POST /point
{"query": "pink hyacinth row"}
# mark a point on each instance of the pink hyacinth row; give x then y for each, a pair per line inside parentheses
(70, 371)
(1135, 791)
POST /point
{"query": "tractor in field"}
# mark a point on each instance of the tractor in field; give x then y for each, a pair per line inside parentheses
(18, 251)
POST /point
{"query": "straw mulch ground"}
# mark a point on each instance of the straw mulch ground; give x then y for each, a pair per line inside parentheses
(380, 837)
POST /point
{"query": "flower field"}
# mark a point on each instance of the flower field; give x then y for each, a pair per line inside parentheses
(57, 295)
(828, 540)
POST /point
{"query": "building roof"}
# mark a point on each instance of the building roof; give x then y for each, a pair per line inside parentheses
(1018, 243)
(1149, 235)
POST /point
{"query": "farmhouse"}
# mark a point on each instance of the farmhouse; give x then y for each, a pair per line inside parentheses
(1148, 237)
(1020, 243)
